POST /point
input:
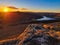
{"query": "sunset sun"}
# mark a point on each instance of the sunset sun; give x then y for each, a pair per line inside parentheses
(5, 10)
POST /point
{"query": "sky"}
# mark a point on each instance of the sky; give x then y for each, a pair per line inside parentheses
(33, 4)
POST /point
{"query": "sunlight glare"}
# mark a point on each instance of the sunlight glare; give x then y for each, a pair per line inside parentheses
(5, 9)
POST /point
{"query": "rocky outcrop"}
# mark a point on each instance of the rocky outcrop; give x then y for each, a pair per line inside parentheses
(36, 34)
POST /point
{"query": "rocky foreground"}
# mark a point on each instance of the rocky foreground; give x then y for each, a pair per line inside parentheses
(36, 34)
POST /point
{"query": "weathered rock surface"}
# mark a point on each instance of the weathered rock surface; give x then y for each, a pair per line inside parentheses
(36, 34)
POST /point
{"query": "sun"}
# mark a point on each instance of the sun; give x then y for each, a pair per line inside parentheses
(5, 9)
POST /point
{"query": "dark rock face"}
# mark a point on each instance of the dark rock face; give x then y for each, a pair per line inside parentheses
(33, 35)
(36, 34)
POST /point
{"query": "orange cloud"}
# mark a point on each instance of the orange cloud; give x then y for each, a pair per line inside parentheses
(12, 7)
(9, 8)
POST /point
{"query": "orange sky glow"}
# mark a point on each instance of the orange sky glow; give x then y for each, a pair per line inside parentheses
(8, 9)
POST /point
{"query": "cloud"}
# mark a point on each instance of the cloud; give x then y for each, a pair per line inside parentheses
(24, 9)
(12, 7)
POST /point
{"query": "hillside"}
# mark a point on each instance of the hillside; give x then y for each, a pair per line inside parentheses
(11, 26)
(36, 34)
